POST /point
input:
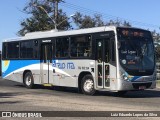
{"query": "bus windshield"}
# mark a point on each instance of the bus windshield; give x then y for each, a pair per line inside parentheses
(136, 51)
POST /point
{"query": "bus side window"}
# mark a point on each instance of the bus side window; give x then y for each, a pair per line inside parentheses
(26, 49)
(62, 47)
(13, 50)
(4, 55)
(81, 46)
(36, 49)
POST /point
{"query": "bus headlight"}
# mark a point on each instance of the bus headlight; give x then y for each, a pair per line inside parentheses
(124, 75)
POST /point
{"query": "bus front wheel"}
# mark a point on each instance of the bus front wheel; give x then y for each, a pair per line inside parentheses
(28, 80)
(87, 85)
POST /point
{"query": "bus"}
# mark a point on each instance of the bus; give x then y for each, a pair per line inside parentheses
(108, 58)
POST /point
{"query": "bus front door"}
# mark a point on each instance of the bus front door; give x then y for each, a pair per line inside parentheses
(46, 63)
(103, 67)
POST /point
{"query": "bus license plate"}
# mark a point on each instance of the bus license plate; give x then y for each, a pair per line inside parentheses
(142, 87)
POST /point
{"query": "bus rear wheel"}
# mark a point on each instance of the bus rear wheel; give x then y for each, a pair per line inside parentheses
(28, 80)
(87, 85)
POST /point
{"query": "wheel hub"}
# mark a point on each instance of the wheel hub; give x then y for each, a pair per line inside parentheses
(88, 85)
(28, 81)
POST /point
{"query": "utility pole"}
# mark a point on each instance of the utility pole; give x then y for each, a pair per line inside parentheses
(55, 13)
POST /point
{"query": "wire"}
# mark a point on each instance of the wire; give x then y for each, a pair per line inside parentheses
(107, 16)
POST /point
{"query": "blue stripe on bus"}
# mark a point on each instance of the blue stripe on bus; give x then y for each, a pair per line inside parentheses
(12, 65)
(135, 78)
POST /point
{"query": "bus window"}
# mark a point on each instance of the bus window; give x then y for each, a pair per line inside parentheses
(26, 49)
(81, 46)
(62, 47)
(4, 54)
(99, 51)
(113, 50)
(46, 53)
(13, 50)
(36, 49)
(107, 51)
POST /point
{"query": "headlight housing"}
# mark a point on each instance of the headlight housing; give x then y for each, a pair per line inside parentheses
(124, 75)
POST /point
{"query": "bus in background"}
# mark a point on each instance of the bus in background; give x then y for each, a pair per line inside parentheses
(108, 58)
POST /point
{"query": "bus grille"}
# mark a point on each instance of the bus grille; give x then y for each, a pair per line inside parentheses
(137, 85)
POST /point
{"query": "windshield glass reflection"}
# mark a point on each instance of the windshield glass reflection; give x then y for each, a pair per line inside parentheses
(136, 54)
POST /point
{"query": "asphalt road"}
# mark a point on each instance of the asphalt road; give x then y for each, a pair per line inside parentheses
(15, 97)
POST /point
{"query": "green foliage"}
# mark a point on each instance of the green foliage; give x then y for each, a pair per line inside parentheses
(85, 21)
(119, 23)
(42, 16)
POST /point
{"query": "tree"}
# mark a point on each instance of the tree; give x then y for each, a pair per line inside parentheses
(85, 21)
(43, 18)
(39, 20)
(156, 36)
(119, 23)
(126, 24)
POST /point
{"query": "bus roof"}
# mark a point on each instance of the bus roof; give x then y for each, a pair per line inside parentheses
(56, 33)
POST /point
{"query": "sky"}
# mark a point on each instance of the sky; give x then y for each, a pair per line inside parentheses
(140, 13)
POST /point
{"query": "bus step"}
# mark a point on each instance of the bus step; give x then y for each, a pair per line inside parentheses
(47, 85)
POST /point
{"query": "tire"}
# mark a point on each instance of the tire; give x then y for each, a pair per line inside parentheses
(28, 80)
(87, 85)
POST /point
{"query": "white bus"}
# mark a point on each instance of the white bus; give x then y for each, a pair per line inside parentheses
(108, 58)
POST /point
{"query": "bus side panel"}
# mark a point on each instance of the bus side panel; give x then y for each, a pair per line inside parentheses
(113, 77)
(14, 69)
(68, 71)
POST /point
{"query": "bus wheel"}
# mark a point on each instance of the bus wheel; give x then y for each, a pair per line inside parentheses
(28, 80)
(87, 85)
